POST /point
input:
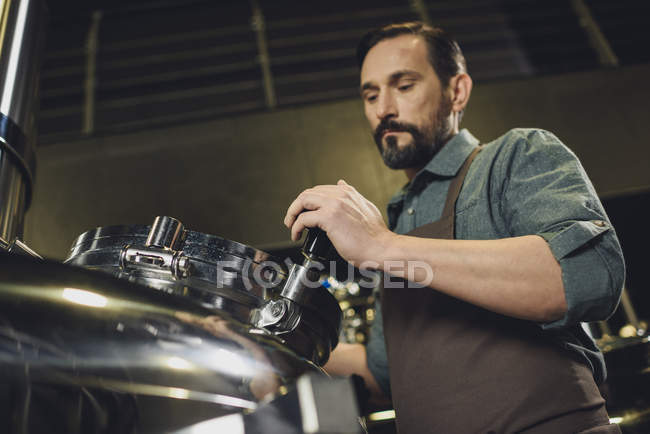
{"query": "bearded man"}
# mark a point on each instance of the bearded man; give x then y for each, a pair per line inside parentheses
(513, 247)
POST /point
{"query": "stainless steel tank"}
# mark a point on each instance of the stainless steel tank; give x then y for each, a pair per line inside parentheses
(22, 25)
(82, 351)
(246, 283)
(152, 329)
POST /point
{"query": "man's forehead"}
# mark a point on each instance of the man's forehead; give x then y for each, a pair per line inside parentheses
(393, 54)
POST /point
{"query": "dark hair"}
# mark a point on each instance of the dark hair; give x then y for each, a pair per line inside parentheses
(444, 53)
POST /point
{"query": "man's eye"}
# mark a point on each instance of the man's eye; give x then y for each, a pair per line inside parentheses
(371, 98)
(405, 87)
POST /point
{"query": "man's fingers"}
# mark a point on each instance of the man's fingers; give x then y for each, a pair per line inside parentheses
(307, 200)
(345, 185)
(314, 199)
(311, 199)
(308, 219)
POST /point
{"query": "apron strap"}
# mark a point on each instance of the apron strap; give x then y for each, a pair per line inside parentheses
(445, 225)
(457, 184)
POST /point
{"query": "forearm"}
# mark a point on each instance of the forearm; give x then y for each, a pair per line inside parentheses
(349, 359)
(518, 277)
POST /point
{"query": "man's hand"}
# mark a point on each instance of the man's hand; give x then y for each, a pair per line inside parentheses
(353, 224)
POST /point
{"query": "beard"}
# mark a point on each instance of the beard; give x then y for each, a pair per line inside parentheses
(426, 143)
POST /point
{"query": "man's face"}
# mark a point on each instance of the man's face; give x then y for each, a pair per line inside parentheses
(404, 102)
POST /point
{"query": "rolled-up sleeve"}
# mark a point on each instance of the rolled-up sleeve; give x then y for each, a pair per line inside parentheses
(548, 193)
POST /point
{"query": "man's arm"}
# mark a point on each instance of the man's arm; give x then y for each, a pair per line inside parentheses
(349, 359)
(518, 276)
(559, 259)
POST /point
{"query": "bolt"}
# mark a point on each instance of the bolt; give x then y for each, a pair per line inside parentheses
(277, 309)
(183, 266)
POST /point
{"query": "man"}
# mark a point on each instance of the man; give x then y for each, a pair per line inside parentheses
(513, 250)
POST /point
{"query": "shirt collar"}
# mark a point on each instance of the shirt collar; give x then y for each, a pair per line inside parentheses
(447, 162)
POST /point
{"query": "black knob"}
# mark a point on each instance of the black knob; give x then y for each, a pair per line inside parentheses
(318, 246)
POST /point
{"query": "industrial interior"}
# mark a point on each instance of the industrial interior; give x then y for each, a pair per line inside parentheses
(149, 151)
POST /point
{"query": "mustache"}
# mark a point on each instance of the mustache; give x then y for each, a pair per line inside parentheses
(393, 125)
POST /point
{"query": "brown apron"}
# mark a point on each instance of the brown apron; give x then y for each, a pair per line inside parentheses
(457, 368)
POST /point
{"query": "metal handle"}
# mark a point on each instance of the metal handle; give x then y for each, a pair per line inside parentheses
(165, 233)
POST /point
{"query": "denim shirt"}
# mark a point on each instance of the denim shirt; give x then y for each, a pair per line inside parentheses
(524, 183)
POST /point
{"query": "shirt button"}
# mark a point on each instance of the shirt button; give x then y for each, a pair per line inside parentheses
(599, 223)
(410, 211)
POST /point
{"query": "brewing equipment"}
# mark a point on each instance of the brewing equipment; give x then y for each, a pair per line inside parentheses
(21, 42)
(163, 329)
(103, 353)
(248, 284)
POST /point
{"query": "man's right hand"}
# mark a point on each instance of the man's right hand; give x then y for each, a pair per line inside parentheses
(353, 223)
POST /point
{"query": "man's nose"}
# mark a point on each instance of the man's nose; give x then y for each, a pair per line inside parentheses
(386, 107)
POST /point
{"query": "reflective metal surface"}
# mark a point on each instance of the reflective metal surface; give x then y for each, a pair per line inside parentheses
(211, 263)
(22, 26)
(165, 233)
(21, 39)
(13, 191)
(246, 283)
(137, 353)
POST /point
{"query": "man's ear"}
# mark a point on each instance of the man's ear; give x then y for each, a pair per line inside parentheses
(461, 87)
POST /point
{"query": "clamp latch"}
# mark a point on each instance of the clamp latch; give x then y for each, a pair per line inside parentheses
(161, 250)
